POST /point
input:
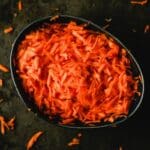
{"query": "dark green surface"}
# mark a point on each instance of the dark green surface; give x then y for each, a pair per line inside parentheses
(133, 134)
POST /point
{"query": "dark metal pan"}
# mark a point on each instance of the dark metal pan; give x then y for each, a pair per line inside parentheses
(64, 19)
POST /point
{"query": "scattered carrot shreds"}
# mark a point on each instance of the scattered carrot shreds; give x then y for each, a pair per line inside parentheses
(1, 82)
(11, 123)
(3, 68)
(8, 30)
(6, 125)
(74, 141)
(19, 5)
(147, 28)
(33, 139)
(76, 74)
(143, 2)
(54, 18)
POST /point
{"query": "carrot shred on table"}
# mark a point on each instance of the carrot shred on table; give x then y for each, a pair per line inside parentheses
(54, 18)
(8, 30)
(143, 2)
(147, 28)
(76, 74)
(74, 141)
(6, 125)
(4, 68)
(33, 139)
(11, 123)
(19, 5)
(1, 82)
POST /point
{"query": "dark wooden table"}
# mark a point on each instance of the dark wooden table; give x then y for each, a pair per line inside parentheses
(128, 23)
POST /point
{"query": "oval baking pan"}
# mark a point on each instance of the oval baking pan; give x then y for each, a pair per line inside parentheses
(65, 19)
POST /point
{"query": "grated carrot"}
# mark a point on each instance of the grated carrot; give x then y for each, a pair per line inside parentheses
(6, 125)
(33, 139)
(19, 5)
(54, 18)
(143, 2)
(3, 68)
(1, 82)
(147, 28)
(76, 74)
(74, 141)
(11, 124)
(8, 30)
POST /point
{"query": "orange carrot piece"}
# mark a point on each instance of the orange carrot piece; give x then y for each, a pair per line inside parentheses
(3, 68)
(8, 30)
(11, 123)
(1, 82)
(33, 139)
(6, 125)
(143, 2)
(73, 142)
(54, 18)
(19, 5)
(147, 28)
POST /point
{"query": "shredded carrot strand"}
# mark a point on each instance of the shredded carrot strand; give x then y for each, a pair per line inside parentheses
(76, 74)
(8, 30)
(11, 123)
(3, 68)
(139, 2)
(75, 141)
(6, 125)
(19, 5)
(33, 139)
(54, 18)
(147, 28)
(1, 82)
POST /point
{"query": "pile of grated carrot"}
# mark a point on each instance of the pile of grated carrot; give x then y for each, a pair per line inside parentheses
(76, 73)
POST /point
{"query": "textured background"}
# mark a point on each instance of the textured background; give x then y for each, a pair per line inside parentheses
(128, 22)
